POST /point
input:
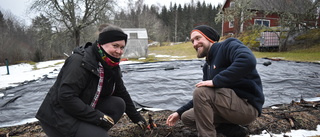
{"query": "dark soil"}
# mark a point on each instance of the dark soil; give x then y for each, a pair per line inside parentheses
(304, 115)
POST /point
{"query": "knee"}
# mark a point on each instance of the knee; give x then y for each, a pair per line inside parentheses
(112, 104)
(121, 105)
(188, 119)
(199, 93)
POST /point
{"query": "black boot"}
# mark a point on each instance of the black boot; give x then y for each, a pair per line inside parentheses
(232, 130)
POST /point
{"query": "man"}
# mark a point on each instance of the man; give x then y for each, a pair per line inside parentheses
(230, 94)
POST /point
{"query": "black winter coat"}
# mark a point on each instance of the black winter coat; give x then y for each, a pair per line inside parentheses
(68, 100)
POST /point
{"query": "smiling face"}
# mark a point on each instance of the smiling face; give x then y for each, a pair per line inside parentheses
(200, 44)
(114, 49)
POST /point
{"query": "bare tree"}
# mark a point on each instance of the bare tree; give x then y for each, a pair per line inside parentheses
(13, 40)
(75, 15)
(3, 37)
(140, 15)
(156, 30)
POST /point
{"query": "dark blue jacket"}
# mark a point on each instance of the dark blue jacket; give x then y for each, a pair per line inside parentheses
(230, 64)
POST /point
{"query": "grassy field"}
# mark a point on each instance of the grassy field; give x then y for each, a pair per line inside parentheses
(178, 51)
(305, 55)
(185, 51)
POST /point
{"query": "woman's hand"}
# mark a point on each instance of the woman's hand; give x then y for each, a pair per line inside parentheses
(106, 121)
(172, 119)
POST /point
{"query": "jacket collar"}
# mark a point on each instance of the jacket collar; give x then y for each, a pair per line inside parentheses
(89, 60)
(210, 53)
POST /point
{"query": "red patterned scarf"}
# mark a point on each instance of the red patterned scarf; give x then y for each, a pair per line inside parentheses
(99, 88)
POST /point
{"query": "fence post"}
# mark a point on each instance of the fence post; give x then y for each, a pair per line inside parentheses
(7, 64)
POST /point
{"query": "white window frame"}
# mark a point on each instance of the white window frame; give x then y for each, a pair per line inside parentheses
(262, 22)
(231, 24)
(232, 4)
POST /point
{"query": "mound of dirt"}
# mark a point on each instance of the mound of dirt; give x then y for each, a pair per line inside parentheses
(276, 119)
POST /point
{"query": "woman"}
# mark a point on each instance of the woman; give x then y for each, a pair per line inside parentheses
(89, 97)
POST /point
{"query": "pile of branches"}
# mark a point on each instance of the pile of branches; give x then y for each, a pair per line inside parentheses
(285, 117)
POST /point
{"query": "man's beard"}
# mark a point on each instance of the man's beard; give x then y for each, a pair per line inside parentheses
(204, 52)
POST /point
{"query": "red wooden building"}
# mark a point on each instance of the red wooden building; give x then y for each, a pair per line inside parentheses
(265, 15)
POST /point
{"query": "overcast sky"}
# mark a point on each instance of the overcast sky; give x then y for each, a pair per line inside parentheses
(19, 7)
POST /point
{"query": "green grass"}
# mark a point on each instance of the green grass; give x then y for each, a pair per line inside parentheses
(183, 51)
(187, 51)
(304, 55)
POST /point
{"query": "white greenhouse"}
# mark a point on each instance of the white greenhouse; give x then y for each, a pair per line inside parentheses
(137, 45)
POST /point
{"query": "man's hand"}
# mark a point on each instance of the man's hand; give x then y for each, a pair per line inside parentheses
(207, 83)
(172, 119)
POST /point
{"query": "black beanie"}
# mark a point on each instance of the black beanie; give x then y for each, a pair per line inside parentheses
(111, 36)
(208, 32)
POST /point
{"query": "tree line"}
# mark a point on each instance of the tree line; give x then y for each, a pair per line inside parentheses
(171, 23)
(62, 25)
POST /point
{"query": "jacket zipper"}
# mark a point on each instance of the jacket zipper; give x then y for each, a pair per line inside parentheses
(209, 72)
